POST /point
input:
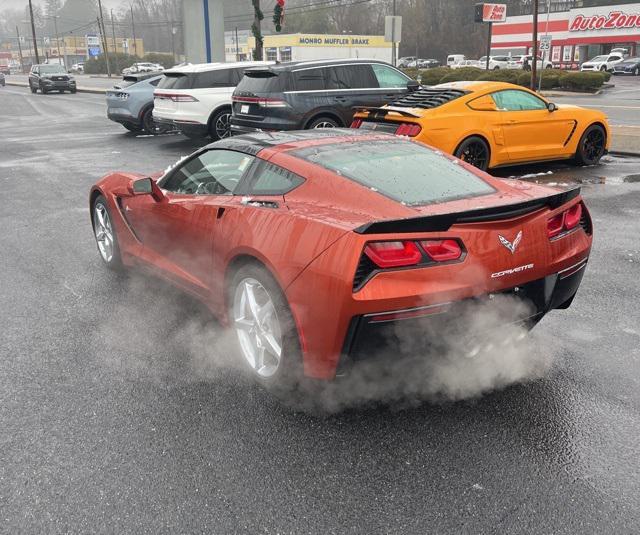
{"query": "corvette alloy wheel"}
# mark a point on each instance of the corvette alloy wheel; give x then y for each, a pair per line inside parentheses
(257, 326)
(103, 231)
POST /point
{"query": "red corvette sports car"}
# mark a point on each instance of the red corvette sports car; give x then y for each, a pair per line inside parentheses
(309, 245)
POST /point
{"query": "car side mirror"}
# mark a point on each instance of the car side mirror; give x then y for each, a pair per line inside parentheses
(147, 186)
(412, 85)
(551, 107)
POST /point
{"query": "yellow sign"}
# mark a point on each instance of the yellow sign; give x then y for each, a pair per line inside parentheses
(314, 40)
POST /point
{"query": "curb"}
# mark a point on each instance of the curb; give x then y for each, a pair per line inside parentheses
(624, 153)
(79, 89)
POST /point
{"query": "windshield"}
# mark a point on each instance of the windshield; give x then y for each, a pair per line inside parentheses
(600, 58)
(403, 170)
(52, 69)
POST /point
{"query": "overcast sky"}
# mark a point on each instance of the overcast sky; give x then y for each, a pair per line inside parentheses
(22, 3)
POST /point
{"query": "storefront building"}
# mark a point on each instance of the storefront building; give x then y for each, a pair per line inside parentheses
(305, 47)
(577, 34)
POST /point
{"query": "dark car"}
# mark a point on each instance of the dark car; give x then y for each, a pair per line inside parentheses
(51, 78)
(2, 80)
(628, 66)
(313, 94)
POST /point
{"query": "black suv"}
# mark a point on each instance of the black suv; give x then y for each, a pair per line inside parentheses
(50, 78)
(313, 94)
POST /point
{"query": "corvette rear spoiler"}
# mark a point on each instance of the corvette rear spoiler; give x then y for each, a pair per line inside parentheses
(443, 222)
(380, 113)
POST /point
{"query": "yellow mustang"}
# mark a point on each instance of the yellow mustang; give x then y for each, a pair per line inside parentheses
(493, 124)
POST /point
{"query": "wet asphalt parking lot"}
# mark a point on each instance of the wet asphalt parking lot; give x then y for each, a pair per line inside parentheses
(117, 416)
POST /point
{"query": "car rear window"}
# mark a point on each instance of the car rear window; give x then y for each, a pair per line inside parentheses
(403, 170)
(215, 78)
(175, 80)
(261, 81)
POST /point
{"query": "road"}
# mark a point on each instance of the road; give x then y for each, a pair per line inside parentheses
(621, 103)
(120, 410)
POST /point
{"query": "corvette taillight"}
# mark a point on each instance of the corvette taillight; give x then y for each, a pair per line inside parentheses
(442, 250)
(390, 254)
(356, 123)
(564, 221)
(408, 129)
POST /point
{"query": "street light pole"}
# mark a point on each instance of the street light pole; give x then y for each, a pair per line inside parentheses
(33, 32)
(133, 31)
(113, 36)
(534, 59)
(104, 37)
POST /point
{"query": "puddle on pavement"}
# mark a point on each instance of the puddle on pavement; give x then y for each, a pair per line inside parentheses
(611, 170)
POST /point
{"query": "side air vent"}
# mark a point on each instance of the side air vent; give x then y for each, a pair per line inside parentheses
(365, 268)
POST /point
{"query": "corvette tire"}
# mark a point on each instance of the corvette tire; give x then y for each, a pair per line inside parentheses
(475, 151)
(591, 146)
(105, 234)
(266, 333)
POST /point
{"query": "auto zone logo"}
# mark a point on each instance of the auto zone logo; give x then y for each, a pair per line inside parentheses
(494, 12)
(616, 20)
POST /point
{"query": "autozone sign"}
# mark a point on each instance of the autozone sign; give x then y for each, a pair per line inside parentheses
(615, 20)
(494, 12)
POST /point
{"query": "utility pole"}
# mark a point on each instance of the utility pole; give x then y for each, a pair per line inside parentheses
(104, 38)
(237, 47)
(55, 24)
(173, 46)
(534, 59)
(133, 30)
(33, 32)
(20, 49)
(113, 36)
(393, 36)
(544, 56)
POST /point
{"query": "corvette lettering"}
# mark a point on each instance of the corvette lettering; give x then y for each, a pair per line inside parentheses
(518, 269)
(614, 21)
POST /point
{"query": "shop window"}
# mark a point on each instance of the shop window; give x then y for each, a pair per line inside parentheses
(285, 53)
(272, 54)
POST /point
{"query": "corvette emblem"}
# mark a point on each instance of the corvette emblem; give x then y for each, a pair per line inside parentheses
(512, 246)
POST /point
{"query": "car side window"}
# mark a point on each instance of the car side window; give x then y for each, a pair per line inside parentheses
(309, 79)
(351, 77)
(214, 172)
(216, 78)
(271, 179)
(388, 77)
(516, 100)
(155, 82)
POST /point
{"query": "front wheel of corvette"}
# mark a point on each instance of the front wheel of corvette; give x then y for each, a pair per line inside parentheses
(475, 151)
(105, 234)
(267, 336)
(591, 146)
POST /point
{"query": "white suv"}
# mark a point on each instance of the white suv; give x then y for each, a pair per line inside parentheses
(495, 62)
(602, 63)
(197, 98)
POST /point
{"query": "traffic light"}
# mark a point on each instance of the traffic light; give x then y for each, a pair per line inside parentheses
(479, 13)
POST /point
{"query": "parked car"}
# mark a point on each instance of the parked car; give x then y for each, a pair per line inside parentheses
(130, 103)
(51, 78)
(143, 67)
(313, 94)
(315, 248)
(495, 62)
(77, 67)
(455, 59)
(605, 62)
(628, 66)
(518, 62)
(462, 118)
(466, 63)
(420, 63)
(196, 99)
(2, 79)
(404, 62)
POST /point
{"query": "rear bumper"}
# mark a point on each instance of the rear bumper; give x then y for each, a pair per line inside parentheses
(122, 116)
(370, 335)
(243, 126)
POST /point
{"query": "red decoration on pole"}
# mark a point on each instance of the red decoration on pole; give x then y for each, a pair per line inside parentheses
(278, 15)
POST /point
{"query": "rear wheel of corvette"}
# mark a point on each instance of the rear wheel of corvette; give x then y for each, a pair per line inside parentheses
(323, 122)
(220, 125)
(266, 332)
(475, 151)
(105, 234)
(591, 146)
